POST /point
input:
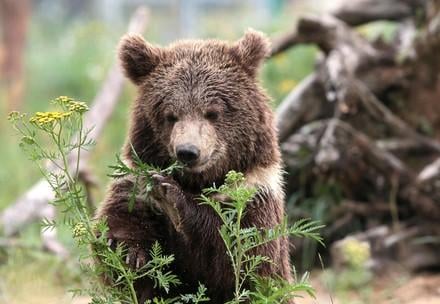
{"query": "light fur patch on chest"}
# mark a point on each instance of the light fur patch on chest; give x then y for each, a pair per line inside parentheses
(267, 180)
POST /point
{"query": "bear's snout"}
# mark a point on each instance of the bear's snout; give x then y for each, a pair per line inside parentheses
(192, 142)
(187, 154)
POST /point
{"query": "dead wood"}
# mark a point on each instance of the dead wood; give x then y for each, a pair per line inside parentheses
(429, 172)
(380, 112)
(357, 12)
(341, 126)
(348, 55)
(302, 105)
(404, 146)
(350, 153)
(386, 251)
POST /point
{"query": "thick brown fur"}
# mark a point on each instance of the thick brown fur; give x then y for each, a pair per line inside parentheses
(205, 92)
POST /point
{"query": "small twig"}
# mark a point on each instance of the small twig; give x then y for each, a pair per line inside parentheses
(357, 12)
(404, 145)
(429, 172)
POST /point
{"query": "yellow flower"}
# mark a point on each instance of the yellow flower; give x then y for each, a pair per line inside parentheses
(78, 106)
(356, 252)
(45, 118)
(63, 100)
(79, 230)
(15, 116)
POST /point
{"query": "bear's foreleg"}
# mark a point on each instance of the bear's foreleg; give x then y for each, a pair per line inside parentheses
(136, 229)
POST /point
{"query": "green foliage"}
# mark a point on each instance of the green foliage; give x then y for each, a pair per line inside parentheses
(276, 291)
(63, 131)
(241, 242)
(142, 174)
(66, 137)
(314, 201)
(344, 282)
(285, 71)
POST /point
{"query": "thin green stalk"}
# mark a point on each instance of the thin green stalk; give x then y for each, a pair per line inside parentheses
(79, 149)
(239, 257)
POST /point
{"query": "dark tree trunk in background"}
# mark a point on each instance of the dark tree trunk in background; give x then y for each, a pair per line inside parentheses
(14, 18)
(361, 136)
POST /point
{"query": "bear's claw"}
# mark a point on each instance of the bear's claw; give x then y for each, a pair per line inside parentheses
(167, 192)
(136, 256)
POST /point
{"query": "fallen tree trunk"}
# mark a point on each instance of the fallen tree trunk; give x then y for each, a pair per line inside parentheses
(342, 133)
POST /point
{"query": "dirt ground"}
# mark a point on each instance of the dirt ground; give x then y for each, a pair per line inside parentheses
(398, 289)
(395, 289)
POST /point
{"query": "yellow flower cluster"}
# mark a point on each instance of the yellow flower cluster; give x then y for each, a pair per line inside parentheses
(234, 178)
(79, 230)
(45, 118)
(78, 106)
(71, 106)
(356, 252)
(63, 100)
(15, 116)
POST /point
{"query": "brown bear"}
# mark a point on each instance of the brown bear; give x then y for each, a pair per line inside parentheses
(199, 102)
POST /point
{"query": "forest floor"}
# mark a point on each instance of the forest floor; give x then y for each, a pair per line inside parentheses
(398, 288)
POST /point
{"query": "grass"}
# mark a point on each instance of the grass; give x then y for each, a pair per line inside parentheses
(31, 276)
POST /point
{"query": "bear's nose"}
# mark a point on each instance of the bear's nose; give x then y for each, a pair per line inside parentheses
(187, 153)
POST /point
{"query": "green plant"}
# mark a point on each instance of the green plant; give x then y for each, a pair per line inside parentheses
(54, 140)
(240, 242)
(64, 137)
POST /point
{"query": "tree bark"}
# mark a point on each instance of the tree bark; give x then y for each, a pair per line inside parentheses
(14, 17)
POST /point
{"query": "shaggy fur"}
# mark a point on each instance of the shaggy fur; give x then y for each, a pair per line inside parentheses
(206, 93)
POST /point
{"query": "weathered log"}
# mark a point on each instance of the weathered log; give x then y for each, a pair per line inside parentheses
(302, 105)
(348, 56)
(355, 131)
(35, 203)
(381, 113)
(386, 250)
(349, 146)
(429, 172)
(357, 12)
(344, 136)
(405, 146)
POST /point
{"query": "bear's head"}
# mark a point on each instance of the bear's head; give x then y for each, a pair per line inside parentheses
(200, 102)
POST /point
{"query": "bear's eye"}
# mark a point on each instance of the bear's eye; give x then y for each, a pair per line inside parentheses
(211, 115)
(171, 118)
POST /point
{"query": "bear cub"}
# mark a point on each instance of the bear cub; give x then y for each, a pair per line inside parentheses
(199, 102)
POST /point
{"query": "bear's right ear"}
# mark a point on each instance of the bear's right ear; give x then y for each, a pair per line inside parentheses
(138, 57)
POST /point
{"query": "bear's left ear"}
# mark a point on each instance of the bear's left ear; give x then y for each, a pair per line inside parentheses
(252, 49)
